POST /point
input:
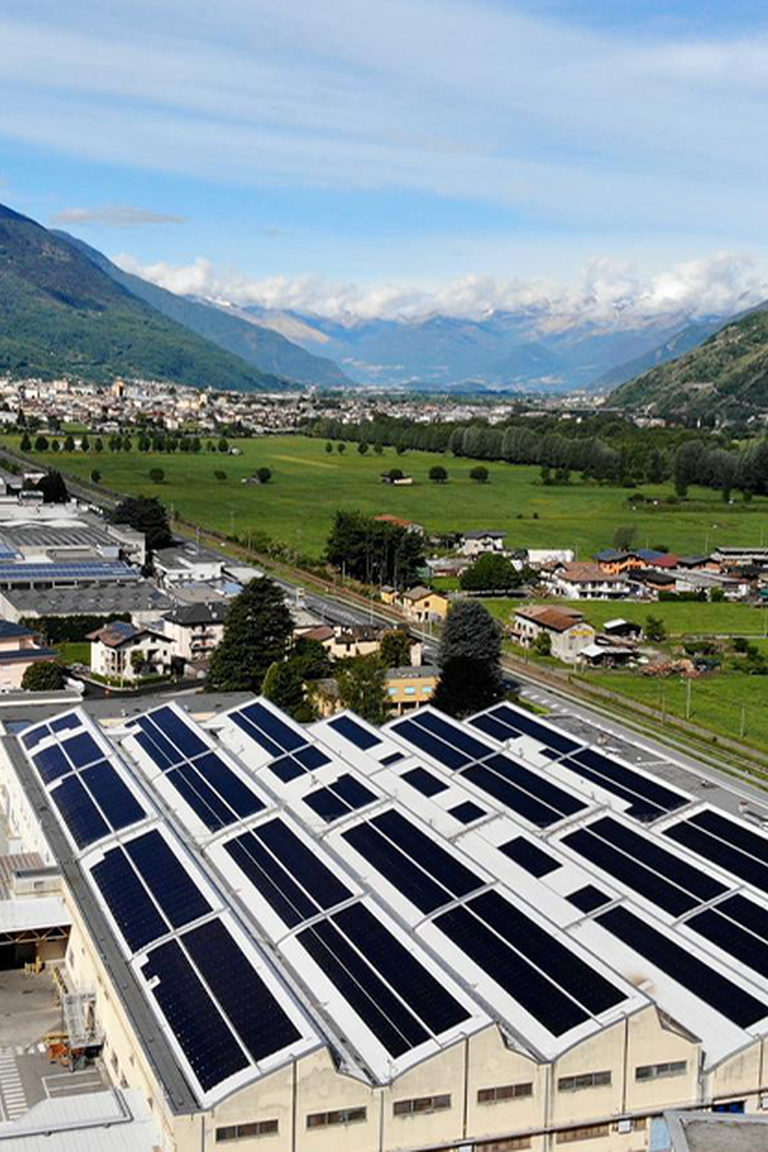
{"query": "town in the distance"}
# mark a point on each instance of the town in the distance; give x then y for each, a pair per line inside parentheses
(383, 577)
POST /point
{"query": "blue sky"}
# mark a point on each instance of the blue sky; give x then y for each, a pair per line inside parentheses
(388, 156)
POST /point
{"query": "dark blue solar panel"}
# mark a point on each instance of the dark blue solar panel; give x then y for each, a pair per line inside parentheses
(242, 799)
(389, 1020)
(82, 750)
(454, 735)
(80, 814)
(302, 863)
(720, 993)
(201, 798)
(521, 723)
(424, 892)
(112, 795)
(32, 738)
(436, 861)
(536, 784)
(352, 791)
(529, 856)
(253, 1011)
(311, 757)
(425, 782)
(467, 811)
(194, 1018)
(354, 732)
(179, 732)
(588, 898)
(51, 763)
(345, 795)
(392, 758)
(442, 752)
(269, 877)
(669, 865)
(254, 734)
(135, 915)
(533, 810)
(159, 750)
(287, 768)
(732, 938)
(650, 796)
(726, 844)
(275, 728)
(327, 804)
(520, 979)
(175, 891)
(71, 720)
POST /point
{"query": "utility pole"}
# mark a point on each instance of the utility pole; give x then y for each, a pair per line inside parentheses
(688, 686)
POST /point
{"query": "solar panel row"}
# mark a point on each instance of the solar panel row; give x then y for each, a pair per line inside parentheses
(346, 794)
(726, 844)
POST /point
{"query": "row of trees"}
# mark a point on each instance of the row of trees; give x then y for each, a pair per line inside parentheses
(374, 551)
(157, 442)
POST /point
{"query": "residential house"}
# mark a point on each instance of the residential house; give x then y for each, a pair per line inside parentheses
(408, 688)
(728, 557)
(567, 629)
(124, 652)
(20, 648)
(484, 540)
(583, 580)
(195, 629)
(423, 605)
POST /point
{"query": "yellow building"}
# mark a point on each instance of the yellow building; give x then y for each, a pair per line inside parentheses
(408, 688)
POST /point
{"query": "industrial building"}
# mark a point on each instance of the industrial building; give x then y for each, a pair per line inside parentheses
(482, 936)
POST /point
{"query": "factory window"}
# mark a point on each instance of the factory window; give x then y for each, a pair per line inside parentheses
(421, 1104)
(246, 1131)
(340, 1116)
(504, 1092)
(511, 1144)
(586, 1080)
(590, 1132)
(661, 1071)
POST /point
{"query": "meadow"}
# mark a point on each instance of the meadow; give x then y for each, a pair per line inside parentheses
(309, 485)
(683, 618)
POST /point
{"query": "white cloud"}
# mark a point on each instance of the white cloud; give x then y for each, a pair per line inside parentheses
(607, 294)
(114, 216)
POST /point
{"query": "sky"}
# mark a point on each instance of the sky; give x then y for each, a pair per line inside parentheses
(377, 158)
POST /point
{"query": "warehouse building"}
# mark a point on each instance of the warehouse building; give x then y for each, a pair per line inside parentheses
(483, 936)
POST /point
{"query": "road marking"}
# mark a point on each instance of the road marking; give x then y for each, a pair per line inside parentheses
(11, 1088)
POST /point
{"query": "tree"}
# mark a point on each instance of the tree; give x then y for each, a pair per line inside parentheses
(361, 688)
(328, 447)
(394, 474)
(98, 445)
(264, 475)
(26, 443)
(655, 629)
(363, 447)
(374, 550)
(542, 645)
(85, 444)
(400, 448)
(470, 660)
(341, 448)
(438, 474)
(479, 474)
(378, 448)
(146, 514)
(284, 686)
(127, 445)
(395, 649)
(41, 444)
(257, 633)
(490, 573)
(95, 475)
(312, 658)
(55, 445)
(223, 445)
(44, 676)
(69, 443)
(624, 537)
(53, 488)
(157, 475)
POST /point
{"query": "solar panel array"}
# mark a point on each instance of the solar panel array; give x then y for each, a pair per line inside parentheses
(509, 877)
(80, 570)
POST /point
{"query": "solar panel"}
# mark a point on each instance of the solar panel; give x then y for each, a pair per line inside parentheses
(343, 796)
(441, 751)
(171, 885)
(178, 732)
(726, 844)
(732, 938)
(588, 898)
(71, 720)
(268, 877)
(452, 734)
(287, 768)
(253, 733)
(112, 795)
(435, 861)
(561, 964)
(536, 784)
(423, 781)
(311, 757)
(160, 751)
(391, 759)
(422, 891)
(636, 876)
(240, 798)
(647, 796)
(530, 857)
(302, 863)
(508, 794)
(354, 732)
(640, 847)
(82, 750)
(32, 738)
(195, 1020)
(79, 813)
(521, 724)
(720, 993)
(286, 738)
(126, 897)
(467, 812)
(250, 1007)
(557, 1012)
(51, 763)
(202, 799)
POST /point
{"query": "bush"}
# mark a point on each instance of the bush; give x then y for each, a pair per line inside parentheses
(220, 474)
(44, 677)
(264, 475)
(156, 475)
(479, 474)
(438, 474)
(490, 573)
(95, 476)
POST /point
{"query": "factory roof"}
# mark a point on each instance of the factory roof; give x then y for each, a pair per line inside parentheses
(388, 891)
(96, 599)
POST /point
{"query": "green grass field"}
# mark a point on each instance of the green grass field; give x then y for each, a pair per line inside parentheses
(309, 485)
(684, 618)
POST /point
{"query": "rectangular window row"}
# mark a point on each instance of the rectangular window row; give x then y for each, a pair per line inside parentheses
(504, 1092)
(338, 1116)
(661, 1071)
(421, 1104)
(585, 1080)
(588, 1132)
(246, 1131)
